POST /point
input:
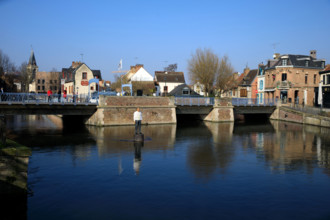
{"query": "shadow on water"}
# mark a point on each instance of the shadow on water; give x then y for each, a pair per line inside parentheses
(46, 132)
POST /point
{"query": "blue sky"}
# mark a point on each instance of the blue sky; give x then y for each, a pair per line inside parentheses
(158, 33)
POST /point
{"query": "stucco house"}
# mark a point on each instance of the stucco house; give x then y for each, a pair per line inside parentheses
(75, 79)
(167, 81)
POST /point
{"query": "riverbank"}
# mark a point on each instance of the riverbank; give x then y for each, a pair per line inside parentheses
(14, 159)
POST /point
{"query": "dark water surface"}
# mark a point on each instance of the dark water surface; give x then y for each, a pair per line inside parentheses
(186, 171)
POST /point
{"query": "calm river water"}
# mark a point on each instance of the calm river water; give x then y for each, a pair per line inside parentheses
(274, 170)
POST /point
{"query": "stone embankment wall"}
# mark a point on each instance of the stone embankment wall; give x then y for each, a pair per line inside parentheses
(223, 111)
(287, 114)
(113, 110)
(14, 160)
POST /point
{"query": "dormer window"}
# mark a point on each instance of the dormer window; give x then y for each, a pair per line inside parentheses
(306, 63)
(322, 64)
(284, 62)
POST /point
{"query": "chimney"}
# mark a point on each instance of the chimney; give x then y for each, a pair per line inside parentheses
(246, 71)
(312, 53)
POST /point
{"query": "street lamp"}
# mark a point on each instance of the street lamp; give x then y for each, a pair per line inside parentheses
(165, 88)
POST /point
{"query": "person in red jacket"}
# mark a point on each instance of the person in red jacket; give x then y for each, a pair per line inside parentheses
(49, 93)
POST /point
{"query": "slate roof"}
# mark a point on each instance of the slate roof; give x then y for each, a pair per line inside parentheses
(177, 91)
(297, 61)
(170, 77)
(248, 79)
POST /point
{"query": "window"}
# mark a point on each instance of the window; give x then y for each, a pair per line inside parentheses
(185, 91)
(284, 62)
(165, 88)
(261, 85)
(51, 88)
(43, 81)
(55, 81)
(243, 93)
(274, 77)
(38, 80)
(55, 87)
(306, 63)
(324, 83)
(322, 64)
(38, 87)
(84, 75)
(51, 81)
(328, 79)
(43, 88)
(284, 76)
(314, 78)
(306, 78)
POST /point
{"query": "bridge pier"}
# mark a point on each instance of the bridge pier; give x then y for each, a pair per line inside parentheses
(222, 111)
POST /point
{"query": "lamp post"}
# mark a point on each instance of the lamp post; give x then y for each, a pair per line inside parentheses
(165, 86)
(77, 93)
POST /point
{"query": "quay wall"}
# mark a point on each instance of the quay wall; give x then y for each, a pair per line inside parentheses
(291, 115)
(14, 159)
(114, 110)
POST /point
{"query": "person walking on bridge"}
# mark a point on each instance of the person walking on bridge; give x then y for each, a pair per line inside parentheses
(49, 93)
(137, 119)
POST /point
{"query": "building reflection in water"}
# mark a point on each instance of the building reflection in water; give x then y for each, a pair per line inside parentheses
(296, 146)
(117, 141)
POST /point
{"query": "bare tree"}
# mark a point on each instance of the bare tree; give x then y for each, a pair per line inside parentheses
(6, 66)
(171, 68)
(119, 80)
(225, 75)
(203, 67)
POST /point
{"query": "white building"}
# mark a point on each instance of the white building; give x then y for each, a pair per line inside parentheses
(261, 84)
(167, 81)
(77, 77)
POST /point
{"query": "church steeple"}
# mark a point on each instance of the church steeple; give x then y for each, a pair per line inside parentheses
(31, 69)
(32, 60)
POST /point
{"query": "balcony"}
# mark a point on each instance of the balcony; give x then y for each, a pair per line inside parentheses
(283, 84)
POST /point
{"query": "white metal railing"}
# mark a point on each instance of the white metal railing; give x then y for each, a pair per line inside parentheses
(44, 98)
(194, 101)
(253, 102)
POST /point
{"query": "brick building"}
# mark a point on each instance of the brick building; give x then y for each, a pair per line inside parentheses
(293, 78)
(47, 80)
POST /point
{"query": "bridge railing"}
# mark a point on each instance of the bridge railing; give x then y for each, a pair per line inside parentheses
(43, 98)
(194, 101)
(253, 102)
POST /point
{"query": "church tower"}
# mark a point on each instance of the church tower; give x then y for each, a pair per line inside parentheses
(32, 67)
(31, 70)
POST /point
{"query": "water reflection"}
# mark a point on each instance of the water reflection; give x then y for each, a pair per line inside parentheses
(206, 157)
(112, 140)
(118, 141)
(295, 147)
(137, 156)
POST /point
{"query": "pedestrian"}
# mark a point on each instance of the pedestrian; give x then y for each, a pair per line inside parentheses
(59, 95)
(49, 93)
(64, 94)
(2, 95)
(137, 119)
